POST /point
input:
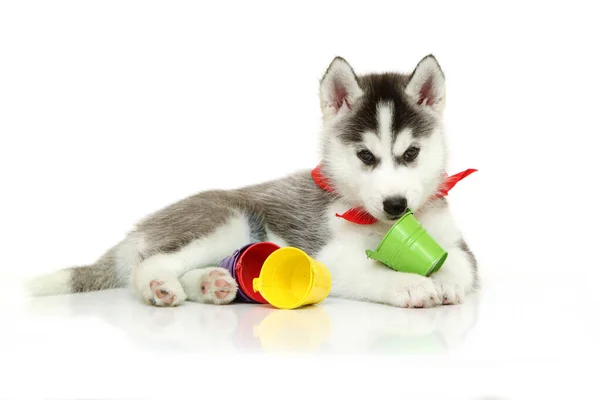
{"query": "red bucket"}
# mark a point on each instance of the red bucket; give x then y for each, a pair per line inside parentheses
(248, 267)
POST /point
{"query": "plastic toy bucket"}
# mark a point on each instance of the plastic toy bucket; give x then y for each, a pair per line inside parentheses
(407, 247)
(290, 278)
(249, 265)
(244, 265)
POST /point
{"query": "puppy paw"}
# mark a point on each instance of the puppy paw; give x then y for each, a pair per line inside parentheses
(449, 290)
(155, 282)
(164, 293)
(413, 291)
(212, 285)
(456, 277)
(217, 286)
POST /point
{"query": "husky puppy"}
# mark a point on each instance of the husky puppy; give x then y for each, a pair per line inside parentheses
(382, 149)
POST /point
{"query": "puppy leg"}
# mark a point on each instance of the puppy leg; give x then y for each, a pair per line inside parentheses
(156, 279)
(369, 280)
(458, 275)
(456, 278)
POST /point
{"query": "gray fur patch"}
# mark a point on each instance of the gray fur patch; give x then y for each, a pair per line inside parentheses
(102, 275)
(384, 89)
(464, 247)
(258, 232)
(176, 225)
(293, 208)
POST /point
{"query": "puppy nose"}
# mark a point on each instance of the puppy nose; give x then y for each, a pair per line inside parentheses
(394, 206)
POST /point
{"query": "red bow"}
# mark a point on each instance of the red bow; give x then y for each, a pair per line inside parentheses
(361, 216)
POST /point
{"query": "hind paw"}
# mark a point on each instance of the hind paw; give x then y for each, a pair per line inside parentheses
(217, 286)
(210, 285)
(165, 294)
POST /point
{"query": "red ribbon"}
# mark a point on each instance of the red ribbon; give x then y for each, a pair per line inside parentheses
(361, 216)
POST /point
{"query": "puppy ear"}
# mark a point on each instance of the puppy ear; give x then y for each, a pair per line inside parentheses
(339, 89)
(427, 84)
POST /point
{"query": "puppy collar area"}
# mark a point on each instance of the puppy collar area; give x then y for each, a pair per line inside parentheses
(360, 216)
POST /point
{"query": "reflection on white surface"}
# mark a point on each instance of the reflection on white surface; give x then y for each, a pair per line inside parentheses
(335, 326)
(504, 331)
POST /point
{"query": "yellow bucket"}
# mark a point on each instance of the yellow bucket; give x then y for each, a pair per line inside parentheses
(290, 278)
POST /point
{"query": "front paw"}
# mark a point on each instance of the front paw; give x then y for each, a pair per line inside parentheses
(453, 281)
(413, 291)
(449, 291)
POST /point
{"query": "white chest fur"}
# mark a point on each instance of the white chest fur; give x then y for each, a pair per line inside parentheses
(356, 276)
(344, 253)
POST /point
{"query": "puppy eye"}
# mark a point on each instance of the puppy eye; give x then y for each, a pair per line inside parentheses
(367, 157)
(411, 153)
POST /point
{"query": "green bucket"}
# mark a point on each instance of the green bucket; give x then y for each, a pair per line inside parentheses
(408, 247)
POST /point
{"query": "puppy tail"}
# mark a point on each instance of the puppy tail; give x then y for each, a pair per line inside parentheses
(99, 276)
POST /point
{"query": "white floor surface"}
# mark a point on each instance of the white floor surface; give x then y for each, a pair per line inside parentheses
(503, 333)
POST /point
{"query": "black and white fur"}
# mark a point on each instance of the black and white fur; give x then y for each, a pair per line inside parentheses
(383, 149)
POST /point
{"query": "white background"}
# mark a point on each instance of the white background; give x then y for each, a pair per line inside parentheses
(110, 110)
